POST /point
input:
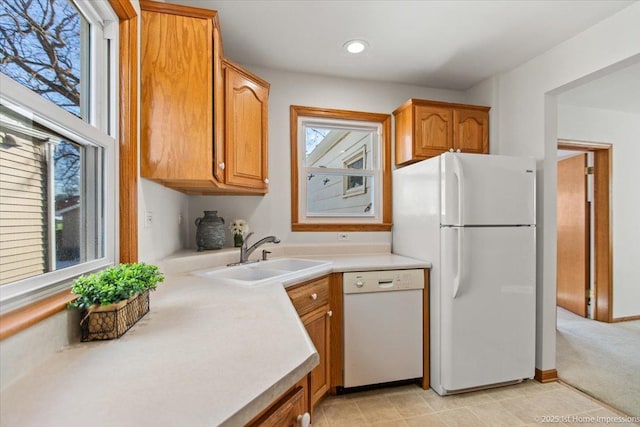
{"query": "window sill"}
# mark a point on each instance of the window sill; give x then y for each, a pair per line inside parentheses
(299, 226)
(17, 320)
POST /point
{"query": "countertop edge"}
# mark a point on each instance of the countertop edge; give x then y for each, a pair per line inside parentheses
(267, 397)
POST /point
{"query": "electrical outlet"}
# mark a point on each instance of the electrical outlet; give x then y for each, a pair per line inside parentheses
(343, 236)
(148, 219)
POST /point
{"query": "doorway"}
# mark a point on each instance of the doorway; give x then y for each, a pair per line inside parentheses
(575, 254)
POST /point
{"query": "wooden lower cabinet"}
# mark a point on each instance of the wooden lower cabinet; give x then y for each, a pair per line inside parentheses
(426, 347)
(288, 410)
(318, 327)
(311, 301)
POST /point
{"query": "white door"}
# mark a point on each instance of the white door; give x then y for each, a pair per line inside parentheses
(487, 189)
(487, 305)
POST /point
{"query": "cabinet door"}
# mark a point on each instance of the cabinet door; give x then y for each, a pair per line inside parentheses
(246, 105)
(318, 327)
(433, 131)
(176, 77)
(471, 131)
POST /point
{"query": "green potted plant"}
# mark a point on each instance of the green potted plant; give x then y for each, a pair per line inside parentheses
(114, 299)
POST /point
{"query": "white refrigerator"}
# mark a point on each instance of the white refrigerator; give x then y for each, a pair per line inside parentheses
(473, 217)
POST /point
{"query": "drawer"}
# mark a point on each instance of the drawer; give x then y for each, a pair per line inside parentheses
(308, 296)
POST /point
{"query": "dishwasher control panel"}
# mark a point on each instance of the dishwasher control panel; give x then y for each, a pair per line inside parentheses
(380, 281)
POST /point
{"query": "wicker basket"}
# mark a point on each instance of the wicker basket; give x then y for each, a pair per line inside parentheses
(112, 321)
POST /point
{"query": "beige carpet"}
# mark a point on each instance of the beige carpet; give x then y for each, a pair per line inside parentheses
(601, 359)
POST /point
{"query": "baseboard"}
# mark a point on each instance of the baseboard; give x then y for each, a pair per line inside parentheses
(624, 319)
(548, 376)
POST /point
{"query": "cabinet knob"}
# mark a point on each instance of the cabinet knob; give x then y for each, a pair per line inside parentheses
(266, 180)
(314, 296)
(451, 150)
(221, 165)
(458, 151)
(330, 313)
(304, 420)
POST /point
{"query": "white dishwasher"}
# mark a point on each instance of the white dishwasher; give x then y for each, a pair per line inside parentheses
(382, 326)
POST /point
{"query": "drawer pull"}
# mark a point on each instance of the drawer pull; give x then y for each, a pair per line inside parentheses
(314, 296)
(330, 313)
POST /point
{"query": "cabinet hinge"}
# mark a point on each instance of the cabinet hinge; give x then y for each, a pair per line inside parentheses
(589, 170)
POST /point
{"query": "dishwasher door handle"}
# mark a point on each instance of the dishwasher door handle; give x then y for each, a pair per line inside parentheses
(385, 284)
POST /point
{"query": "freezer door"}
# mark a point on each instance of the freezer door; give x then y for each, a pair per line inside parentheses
(487, 189)
(487, 306)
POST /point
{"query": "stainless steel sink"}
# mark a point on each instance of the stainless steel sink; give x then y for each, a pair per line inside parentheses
(260, 272)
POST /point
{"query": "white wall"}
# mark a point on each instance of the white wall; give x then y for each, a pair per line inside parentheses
(486, 93)
(271, 214)
(527, 110)
(165, 235)
(623, 131)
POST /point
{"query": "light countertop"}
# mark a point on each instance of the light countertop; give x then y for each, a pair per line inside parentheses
(208, 353)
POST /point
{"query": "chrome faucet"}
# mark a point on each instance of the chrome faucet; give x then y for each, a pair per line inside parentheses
(246, 251)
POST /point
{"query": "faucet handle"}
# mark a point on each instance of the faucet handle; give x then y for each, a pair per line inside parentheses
(265, 253)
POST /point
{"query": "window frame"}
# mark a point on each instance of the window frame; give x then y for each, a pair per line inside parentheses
(345, 223)
(350, 191)
(99, 131)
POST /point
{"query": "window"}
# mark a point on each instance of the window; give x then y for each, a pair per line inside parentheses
(57, 181)
(354, 185)
(340, 166)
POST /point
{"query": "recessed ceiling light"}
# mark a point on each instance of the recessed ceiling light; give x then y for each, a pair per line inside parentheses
(355, 46)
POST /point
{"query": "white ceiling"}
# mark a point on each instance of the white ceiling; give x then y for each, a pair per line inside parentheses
(443, 44)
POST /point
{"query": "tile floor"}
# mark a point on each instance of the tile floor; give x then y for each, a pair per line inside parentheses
(528, 403)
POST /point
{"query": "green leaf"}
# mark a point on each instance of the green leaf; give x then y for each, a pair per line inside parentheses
(115, 284)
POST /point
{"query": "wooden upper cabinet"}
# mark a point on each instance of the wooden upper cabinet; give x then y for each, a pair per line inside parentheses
(433, 130)
(246, 109)
(176, 59)
(202, 132)
(425, 129)
(471, 130)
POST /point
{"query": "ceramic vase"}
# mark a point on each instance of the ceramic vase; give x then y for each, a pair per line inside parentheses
(210, 231)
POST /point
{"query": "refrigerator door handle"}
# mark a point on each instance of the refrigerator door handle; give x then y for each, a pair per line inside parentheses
(457, 171)
(458, 277)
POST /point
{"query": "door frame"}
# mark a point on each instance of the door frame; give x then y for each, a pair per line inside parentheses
(603, 245)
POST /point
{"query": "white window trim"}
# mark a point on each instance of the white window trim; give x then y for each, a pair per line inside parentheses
(374, 172)
(33, 106)
(355, 191)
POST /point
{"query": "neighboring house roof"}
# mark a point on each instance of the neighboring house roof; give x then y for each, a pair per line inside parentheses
(66, 204)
